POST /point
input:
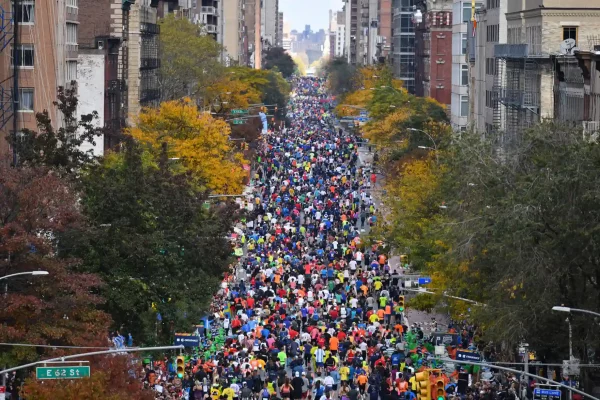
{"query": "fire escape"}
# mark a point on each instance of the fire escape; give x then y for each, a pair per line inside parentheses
(6, 92)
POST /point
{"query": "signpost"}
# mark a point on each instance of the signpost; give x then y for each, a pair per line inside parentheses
(62, 372)
(468, 356)
(187, 340)
(446, 339)
(424, 280)
(546, 394)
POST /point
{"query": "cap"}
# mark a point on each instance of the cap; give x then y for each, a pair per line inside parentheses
(297, 374)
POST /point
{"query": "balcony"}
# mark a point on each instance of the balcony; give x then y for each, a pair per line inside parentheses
(149, 29)
(210, 28)
(150, 63)
(208, 10)
(517, 98)
(148, 95)
(115, 86)
(511, 50)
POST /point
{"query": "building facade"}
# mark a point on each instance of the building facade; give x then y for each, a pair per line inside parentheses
(270, 22)
(352, 31)
(340, 34)
(433, 49)
(45, 58)
(403, 47)
(538, 33)
(384, 44)
(234, 32)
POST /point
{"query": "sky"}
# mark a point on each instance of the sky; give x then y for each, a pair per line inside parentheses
(308, 12)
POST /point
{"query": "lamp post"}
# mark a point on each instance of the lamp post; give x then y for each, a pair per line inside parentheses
(569, 310)
(427, 134)
(34, 273)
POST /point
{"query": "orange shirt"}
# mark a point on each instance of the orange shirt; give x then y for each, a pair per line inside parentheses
(362, 379)
(334, 343)
(380, 313)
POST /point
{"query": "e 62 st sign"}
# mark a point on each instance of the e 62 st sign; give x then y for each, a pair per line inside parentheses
(62, 372)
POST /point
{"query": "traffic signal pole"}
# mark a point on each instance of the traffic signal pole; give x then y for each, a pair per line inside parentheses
(93, 353)
(516, 371)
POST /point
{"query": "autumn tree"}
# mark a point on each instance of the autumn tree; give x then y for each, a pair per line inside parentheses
(62, 308)
(341, 76)
(152, 241)
(199, 142)
(190, 61)
(109, 380)
(67, 147)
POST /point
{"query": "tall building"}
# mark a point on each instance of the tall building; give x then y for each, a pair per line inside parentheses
(540, 36)
(211, 12)
(252, 21)
(340, 34)
(404, 42)
(462, 28)
(46, 57)
(234, 31)
(352, 30)
(269, 22)
(433, 48)
(385, 29)
(279, 41)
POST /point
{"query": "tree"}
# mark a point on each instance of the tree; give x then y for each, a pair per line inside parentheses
(230, 92)
(36, 207)
(189, 60)
(300, 65)
(199, 141)
(109, 380)
(62, 148)
(152, 241)
(279, 58)
(341, 76)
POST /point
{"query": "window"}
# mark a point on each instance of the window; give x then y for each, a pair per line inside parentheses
(493, 33)
(25, 12)
(464, 75)
(71, 74)
(463, 39)
(464, 106)
(26, 100)
(493, 4)
(71, 33)
(407, 44)
(406, 24)
(23, 56)
(72, 3)
(570, 32)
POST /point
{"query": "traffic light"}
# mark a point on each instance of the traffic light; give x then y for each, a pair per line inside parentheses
(401, 303)
(423, 385)
(180, 366)
(440, 391)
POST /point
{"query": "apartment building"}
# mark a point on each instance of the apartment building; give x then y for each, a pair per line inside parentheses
(280, 29)
(485, 113)
(252, 22)
(45, 54)
(352, 30)
(462, 28)
(539, 32)
(403, 48)
(433, 49)
(270, 22)
(234, 32)
(384, 42)
(340, 34)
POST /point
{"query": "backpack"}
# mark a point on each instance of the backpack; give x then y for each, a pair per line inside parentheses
(265, 393)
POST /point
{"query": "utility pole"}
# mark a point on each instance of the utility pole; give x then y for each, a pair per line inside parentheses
(16, 56)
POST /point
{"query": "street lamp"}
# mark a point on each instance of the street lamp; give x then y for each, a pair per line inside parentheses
(569, 309)
(427, 134)
(34, 273)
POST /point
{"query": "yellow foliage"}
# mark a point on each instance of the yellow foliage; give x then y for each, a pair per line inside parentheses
(231, 92)
(381, 131)
(199, 141)
(358, 99)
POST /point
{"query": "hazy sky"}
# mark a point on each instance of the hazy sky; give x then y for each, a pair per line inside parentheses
(308, 12)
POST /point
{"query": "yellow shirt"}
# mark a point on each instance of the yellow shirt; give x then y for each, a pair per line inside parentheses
(229, 393)
(344, 372)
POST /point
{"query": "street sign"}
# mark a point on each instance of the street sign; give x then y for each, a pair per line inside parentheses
(2, 392)
(62, 372)
(238, 121)
(187, 340)
(425, 280)
(363, 113)
(468, 356)
(446, 339)
(546, 394)
(239, 111)
(571, 367)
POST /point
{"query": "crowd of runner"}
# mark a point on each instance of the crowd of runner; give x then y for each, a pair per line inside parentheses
(310, 311)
